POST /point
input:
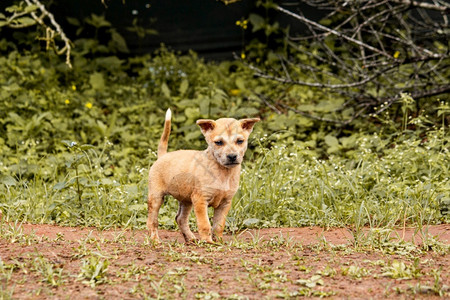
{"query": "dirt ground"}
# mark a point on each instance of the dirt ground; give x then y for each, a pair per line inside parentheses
(45, 261)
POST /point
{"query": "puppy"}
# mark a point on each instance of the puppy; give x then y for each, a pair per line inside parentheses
(199, 178)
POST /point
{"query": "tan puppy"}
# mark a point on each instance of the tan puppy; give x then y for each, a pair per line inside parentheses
(199, 178)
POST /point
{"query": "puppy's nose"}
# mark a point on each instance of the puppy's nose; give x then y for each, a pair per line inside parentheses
(231, 157)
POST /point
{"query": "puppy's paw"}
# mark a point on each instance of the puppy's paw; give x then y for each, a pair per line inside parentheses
(218, 239)
(205, 242)
(189, 238)
(209, 240)
(190, 241)
(154, 241)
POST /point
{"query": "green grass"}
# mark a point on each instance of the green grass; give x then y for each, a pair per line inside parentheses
(404, 182)
(76, 146)
(281, 185)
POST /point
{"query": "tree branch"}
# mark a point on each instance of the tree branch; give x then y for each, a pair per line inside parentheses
(442, 8)
(67, 44)
(262, 74)
(332, 31)
(369, 53)
(51, 30)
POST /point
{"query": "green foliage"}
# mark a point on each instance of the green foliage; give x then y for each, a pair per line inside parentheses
(399, 270)
(17, 15)
(380, 182)
(93, 271)
(50, 273)
(88, 135)
(76, 145)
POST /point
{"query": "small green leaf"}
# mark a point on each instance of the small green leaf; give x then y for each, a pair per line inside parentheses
(132, 190)
(193, 135)
(331, 141)
(26, 21)
(7, 180)
(165, 90)
(257, 22)
(13, 8)
(119, 42)
(107, 182)
(184, 87)
(192, 112)
(251, 221)
(60, 185)
(73, 21)
(240, 83)
(138, 207)
(97, 81)
(30, 8)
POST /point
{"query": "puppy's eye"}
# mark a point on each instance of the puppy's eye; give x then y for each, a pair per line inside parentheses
(218, 143)
(240, 141)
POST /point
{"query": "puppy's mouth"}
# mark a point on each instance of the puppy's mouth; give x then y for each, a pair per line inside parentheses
(231, 164)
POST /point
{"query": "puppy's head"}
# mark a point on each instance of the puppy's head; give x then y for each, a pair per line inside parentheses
(227, 139)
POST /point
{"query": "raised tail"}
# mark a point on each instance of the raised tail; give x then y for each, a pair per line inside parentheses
(163, 142)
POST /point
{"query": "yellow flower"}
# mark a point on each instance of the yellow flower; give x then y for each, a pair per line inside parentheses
(235, 92)
(243, 55)
(242, 24)
(396, 54)
(88, 105)
(67, 101)
(74, 87)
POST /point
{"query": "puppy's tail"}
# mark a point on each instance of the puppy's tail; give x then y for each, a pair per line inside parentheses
(162, 147)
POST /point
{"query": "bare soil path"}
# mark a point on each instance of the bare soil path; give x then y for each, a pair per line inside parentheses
(45, 261)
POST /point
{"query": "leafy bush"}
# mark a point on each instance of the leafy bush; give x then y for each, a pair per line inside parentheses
(76, 145)
(383, 182)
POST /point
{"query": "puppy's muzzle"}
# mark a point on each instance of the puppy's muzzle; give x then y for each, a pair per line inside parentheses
(231, 158)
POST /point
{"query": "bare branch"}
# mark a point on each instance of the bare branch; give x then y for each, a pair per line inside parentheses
(52, 30)
(67, 45)
(262, 74)
(369, 53)
(444, 7)
(331, 31)
(305, 114)
(270, 105)
(387, 102)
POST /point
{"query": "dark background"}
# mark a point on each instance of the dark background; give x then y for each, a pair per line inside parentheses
(205, 26)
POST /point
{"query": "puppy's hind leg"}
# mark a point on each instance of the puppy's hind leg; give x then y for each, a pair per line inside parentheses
(182, 219)
(154, 203)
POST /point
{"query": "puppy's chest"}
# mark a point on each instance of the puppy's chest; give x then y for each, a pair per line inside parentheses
(219, 191)
(216, 196)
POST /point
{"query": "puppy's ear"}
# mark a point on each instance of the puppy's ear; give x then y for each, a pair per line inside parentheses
(247, 124)
(206, 125)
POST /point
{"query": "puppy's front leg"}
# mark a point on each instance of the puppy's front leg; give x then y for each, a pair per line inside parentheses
(201, 213)
(220, 216)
